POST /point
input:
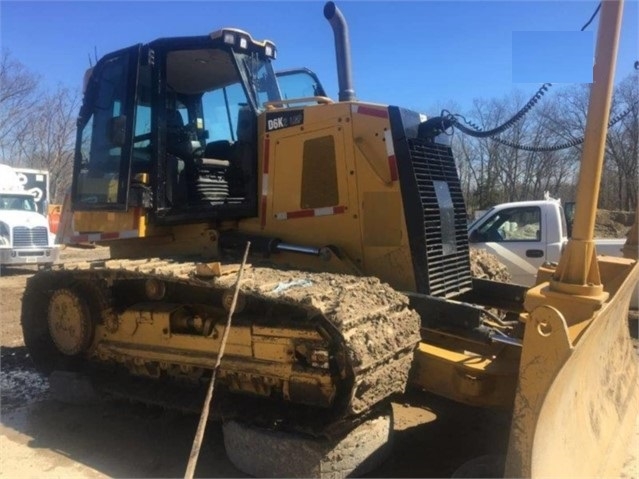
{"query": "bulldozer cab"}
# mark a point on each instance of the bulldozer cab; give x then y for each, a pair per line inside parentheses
(170, 126)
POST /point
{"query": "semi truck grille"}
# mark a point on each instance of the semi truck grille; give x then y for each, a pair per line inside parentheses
(24, 237)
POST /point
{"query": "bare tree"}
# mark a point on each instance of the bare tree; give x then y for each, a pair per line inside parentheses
(566, 120)
(37, 127)
(49, 143)
(622, 145)
(18, 88)
(494, 172)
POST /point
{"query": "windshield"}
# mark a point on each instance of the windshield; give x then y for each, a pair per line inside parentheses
(17, 202)
(261, 79)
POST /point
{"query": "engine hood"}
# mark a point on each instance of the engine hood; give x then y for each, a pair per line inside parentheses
(30, 219)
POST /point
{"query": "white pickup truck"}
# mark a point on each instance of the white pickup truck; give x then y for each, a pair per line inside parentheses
(525, 234)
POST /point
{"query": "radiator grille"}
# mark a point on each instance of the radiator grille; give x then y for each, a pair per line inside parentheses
(445, 263)
(24, 237)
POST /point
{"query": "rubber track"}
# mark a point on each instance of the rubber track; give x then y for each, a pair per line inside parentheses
(378, 329)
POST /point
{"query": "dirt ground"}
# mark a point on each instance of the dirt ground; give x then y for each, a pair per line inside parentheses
(613, 224)
(44, 438)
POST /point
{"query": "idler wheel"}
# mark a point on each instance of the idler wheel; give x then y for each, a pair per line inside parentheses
(69, 322)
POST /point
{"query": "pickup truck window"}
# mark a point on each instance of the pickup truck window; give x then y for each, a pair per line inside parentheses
(513, 224)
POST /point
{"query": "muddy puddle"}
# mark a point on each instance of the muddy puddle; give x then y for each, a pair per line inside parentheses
(20, 384)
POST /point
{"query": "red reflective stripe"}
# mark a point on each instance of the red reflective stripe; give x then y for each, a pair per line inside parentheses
(300, 214)
(392, 166)
(114, 235)
(339, 209)
(266, 155)
(80, 238)
(136, 217)
(365, 110)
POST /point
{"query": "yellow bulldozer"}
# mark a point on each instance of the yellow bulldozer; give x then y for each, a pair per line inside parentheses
(359, 281)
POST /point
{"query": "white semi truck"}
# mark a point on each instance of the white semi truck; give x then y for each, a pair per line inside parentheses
(25, 238)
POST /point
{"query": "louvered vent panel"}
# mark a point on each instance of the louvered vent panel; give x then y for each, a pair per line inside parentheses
(447, 272)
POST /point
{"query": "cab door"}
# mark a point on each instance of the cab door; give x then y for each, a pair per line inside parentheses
(105, 130)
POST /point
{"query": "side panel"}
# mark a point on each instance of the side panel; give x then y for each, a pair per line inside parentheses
(386, 252)
(303, 180)
(359, 209)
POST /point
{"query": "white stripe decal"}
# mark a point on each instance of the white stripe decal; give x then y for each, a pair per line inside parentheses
(129, 234)
(388, 137)
(93, 237)
(499, 250)
(324, 211)
(265, 184)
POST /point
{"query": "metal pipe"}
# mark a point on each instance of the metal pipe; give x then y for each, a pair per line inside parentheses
(501, 338)
(342, 51)
(597, 120)
(294, 248)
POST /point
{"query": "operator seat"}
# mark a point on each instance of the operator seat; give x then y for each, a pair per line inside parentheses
(219, 150)
(178, 140)
(210, 186)
(242, 174)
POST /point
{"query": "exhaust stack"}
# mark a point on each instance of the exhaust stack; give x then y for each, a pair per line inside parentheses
(342, 51)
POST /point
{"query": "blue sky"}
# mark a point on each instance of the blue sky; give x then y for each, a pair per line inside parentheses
(417, 54)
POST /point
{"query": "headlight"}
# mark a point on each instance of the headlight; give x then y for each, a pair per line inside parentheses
(269, 50)
(5, 235)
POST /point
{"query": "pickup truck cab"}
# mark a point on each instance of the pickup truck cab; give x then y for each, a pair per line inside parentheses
(525, 234)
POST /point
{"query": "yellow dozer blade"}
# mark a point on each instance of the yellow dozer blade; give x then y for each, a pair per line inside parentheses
(577, 401)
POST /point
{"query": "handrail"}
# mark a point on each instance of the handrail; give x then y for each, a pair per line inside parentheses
(269, 105)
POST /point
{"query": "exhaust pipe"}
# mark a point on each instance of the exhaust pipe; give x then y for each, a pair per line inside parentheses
(342, 51)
